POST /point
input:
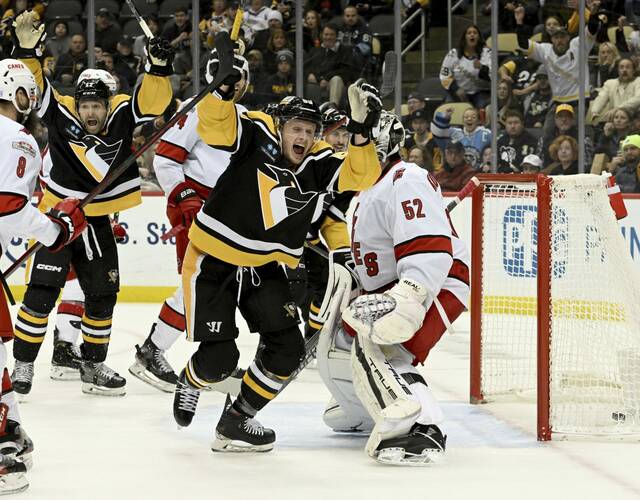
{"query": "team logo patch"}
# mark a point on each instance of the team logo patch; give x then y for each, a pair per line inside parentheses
(280, 194)
(96, 155)
(113, 275)
(291, 309)
(25, 147)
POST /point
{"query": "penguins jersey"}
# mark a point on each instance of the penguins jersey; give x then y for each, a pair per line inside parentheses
(261, 211)
(19, 169)
(401, 229)
(181, 156)
(80, 160)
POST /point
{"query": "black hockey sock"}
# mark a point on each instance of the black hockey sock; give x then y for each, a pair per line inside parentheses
(96, 333)
(29, 331)
(259, 386)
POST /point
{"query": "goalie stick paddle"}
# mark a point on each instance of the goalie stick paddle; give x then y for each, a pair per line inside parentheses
(389, 70)
(143, 24)
(224, 44)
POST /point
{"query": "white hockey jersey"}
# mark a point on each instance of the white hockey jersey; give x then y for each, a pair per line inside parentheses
(182, 156)
(462, 70)
(19, 168)
(400, 229)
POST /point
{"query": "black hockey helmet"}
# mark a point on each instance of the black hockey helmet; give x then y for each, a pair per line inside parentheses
(333, 119)
(92, 89)
(292, 107)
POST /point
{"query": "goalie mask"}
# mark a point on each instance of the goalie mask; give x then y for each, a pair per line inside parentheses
(14, 75)
(389, 136)
(239, 63)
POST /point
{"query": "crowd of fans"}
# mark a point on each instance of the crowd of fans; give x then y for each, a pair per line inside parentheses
(537, 89)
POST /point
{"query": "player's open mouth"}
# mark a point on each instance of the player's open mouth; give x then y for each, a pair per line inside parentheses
(92, 123)
(297, 149)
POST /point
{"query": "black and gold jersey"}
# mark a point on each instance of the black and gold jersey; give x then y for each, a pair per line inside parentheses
(81, 160)
(260, 211)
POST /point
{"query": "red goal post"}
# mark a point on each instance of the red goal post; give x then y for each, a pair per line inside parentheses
(555, 304)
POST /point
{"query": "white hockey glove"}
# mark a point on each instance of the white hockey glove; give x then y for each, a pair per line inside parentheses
(341, 273)
(159, 57)
(392, 317)
(28, 35)
(365, 105)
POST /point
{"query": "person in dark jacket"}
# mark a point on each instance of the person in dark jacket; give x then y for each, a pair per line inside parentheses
(456, 172)
(107, 33)
(74, 62)
(514, 144)
(627, 173)
(282, 83)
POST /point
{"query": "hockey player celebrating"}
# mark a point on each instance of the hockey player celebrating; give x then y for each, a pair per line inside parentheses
(19, 168)
(257, 216)
(415, 274)
(89, 134)
(187, 169)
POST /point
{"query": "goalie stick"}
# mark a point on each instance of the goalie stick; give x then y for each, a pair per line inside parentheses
(143, 24)
(225, 47)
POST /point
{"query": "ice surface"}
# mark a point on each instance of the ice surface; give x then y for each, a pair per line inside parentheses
(95, 448)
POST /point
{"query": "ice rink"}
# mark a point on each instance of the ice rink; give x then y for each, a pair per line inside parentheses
(95, 448)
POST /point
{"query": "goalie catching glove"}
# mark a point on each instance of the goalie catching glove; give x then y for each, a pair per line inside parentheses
(28, 35)
(366, 106)
(391, 317)
(159, 57)
(69, 217)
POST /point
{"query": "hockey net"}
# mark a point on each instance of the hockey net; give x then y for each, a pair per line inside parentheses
(555, 304)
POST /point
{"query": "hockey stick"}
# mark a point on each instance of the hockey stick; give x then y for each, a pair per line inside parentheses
(389, 70)
(143, 24)
(224, 44)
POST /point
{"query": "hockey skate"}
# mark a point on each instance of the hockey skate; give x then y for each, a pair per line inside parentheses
(16, 444)
(153, 368)
(100, 380)
(22, 377)
(12, 476)
(185, 401)
(424, 445)
(239, 433)
(230, 385)
(66, 361)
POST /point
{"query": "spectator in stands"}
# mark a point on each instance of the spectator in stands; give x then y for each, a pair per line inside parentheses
(614, 133)
(262, 37)
(354, 33)
(415, 101)
(506, 102)
(626, 170)
(178, 29)
(456, 172)
(71, 64)
(623, 91)
(520, 72)
(551, 25)
(485, 166)
(256, 17)
(286, 8)
(473, 136)
(417, 156)
(277, 42)
(564, 153)
(420, 127)
(437, 139)
(282, 83)
(531, 164)
(140, 42)
(127, 64)
(465, 70)
(107, 33)
(311, 32)
(607, 66)
(514, 144)
(330, 68)
(108, 64)
(560, 58)
(256, 94)
(564, 122)
(506, 23)
(537, 105)
(59, 43)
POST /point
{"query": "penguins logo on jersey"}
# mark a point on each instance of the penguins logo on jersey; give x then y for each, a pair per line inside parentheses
(280, 194)
(96, 156)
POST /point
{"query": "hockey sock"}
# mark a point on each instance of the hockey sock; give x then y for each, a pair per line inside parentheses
(68, 319)
(315, 322)
(259, 386)
(192, 377)
(96, 333)
(9, 397)
(29, 331)
(171, 324)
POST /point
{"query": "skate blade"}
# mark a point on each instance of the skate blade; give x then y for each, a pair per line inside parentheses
(224, 445)
(141, 373)
(64, 373)
(13, 483)
(397, 456)
(230, 385)
(95, 390)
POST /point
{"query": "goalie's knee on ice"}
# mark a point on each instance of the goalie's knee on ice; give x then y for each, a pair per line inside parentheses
(283, 350)
(214, 361)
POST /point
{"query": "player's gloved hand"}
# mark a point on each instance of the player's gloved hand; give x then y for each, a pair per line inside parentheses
(226, 90)
(119, 232)
(366, 106)
(384, 322)
(69, 217)
(159, 54)
(184, 205)
(28, 35)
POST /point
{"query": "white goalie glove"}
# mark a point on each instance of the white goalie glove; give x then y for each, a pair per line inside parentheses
(28, 35)
(366, 107)
(391, 317)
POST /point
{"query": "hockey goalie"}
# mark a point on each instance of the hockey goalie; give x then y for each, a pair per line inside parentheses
(414, 272)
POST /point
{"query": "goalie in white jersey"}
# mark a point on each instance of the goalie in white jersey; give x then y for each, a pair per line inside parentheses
(415, 275)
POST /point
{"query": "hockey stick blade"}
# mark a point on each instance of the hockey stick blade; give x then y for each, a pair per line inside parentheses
(143, 24)
(389, 70)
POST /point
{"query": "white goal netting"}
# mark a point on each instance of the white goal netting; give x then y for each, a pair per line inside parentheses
(594, 296)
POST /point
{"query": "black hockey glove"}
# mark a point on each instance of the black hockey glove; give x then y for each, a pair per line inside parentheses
(160, 54)
(213, 66)
(366, 106)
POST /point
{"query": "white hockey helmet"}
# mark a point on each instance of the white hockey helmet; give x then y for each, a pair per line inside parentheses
(389, 136)
(99, 74)
(14, 75)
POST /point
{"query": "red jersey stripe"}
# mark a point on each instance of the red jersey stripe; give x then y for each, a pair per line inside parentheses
(10, 203)
(424, 244)
(460, 271)
(172, 151)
